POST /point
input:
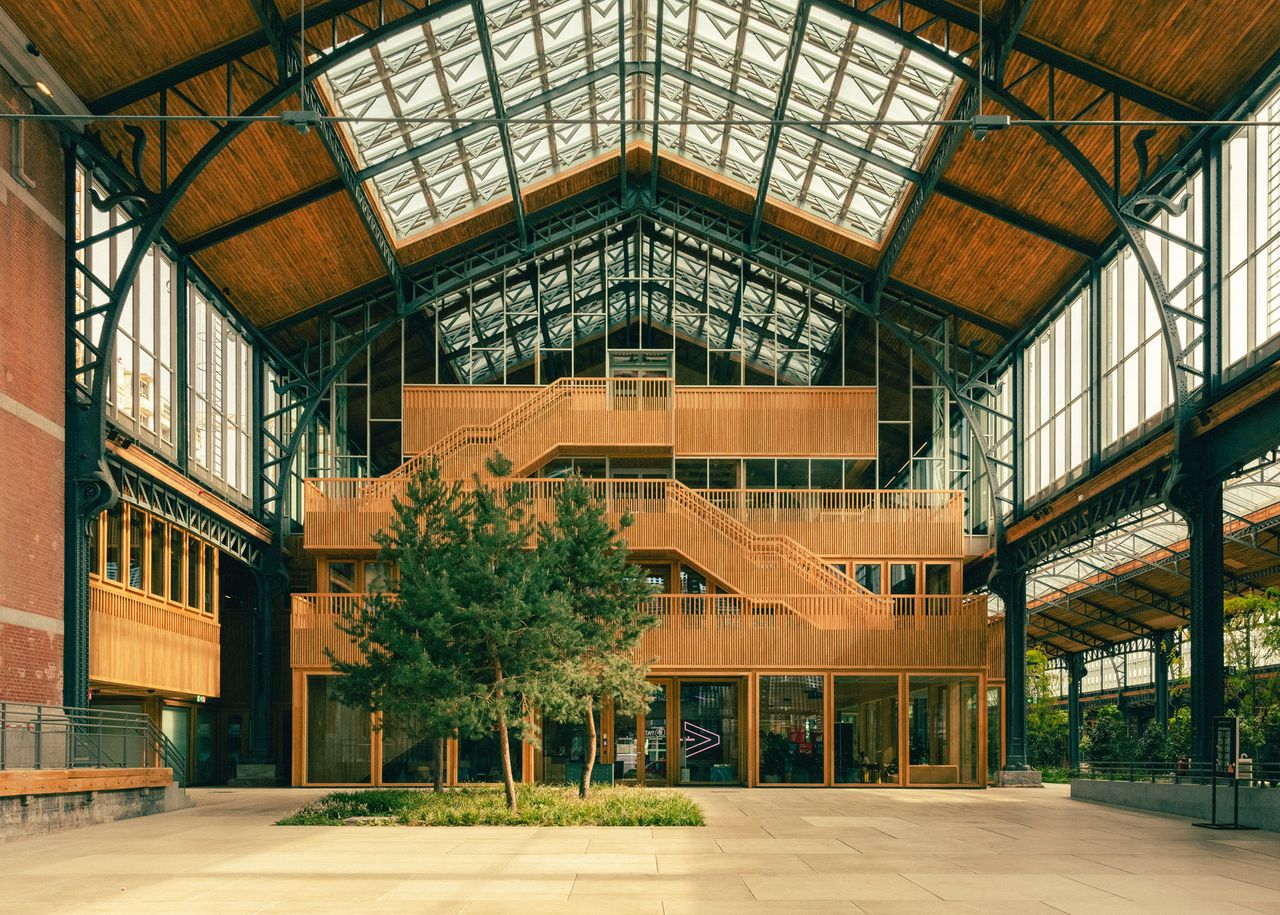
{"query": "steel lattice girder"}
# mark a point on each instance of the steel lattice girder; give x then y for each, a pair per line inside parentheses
(1182, 370)
(161, 500)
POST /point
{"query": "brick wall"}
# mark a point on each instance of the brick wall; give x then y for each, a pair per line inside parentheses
(32, 384)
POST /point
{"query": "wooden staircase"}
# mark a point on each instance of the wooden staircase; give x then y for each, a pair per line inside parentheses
(575, 414)
(580, 413)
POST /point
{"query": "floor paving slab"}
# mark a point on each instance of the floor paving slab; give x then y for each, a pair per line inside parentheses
(812, 851)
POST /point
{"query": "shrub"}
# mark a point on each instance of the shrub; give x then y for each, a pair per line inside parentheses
(538, 805)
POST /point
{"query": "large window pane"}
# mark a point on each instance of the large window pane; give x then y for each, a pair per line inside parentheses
(943, 730)
(220, 383)
(137, 547)
(564, 752)
(159, 539)
(791, 730)
(408, 755)
(175, 565)
(115, 542)
(866, 730)
(868, 576)
(480, 760)
(709, 733)
(902, 578)
(1055, 423)
(193, 574)
(142, 381)
(994, 732)
(655, 738)
(337, 737)
(210, 585)
(1137, 390)
(1251, 236)
(937, 578)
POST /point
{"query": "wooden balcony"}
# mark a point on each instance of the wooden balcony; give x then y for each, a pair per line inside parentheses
(577, 415)
(667, 517)
(344, 514)
(776, 422)
(714, 421)
(433, 411)
(884, 524)
(144, 643)
(709, 632)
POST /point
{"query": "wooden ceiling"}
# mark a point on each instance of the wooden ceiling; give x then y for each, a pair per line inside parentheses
(990, 241)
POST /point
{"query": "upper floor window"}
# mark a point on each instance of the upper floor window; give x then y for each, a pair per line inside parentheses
(1137, 387)
(142, 386)
(141, 553)
(1055, 373)
(220, 406)
(1251, 239)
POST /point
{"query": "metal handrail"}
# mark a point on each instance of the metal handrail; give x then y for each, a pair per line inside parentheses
(66, 737)
(1182, 771)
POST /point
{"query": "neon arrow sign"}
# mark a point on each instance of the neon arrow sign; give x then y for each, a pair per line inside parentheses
(698, 739)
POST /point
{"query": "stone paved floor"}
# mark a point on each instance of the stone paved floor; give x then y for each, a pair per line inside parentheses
(764, 851)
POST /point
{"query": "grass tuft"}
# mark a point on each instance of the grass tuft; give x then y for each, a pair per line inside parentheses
(538, 805)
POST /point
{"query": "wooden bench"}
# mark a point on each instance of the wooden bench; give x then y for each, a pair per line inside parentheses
(66, 781)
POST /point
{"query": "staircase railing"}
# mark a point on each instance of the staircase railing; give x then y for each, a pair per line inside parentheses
(776, 564)
(346, 512)
(525, 433)
(64, 737)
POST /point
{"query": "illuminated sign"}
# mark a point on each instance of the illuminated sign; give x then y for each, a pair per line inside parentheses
(698, 739)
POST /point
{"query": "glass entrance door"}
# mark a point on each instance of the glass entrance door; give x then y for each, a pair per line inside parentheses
(175, 722)
(655, 738)
(710, 737)
(640, 742)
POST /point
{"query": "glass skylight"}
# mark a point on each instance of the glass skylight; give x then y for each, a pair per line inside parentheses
(646, 273)
(556, 64)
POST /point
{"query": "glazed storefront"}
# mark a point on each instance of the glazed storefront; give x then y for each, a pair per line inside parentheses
(834, 728)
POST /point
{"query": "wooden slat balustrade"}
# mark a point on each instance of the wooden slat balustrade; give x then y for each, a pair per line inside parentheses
(884, 524)
(667, 516)
(995, 647)
(776, 422)
(732, 631)
(573, 415)
(433, 411)
(343, 514)
(136, 641)
(709, 421)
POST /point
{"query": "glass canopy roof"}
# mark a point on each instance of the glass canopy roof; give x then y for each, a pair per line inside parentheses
(640, 271)
(1141, 543)
(710, 71)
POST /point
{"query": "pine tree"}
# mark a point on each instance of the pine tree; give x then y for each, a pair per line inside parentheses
(471, 623)
(509, 628)
(585, 563)
(406, 669)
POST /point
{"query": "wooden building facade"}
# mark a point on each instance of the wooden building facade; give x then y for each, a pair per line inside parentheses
(805, 634)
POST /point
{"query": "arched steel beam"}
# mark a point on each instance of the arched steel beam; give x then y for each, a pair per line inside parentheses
(1128, 226)
(90, 487)
(160, 206)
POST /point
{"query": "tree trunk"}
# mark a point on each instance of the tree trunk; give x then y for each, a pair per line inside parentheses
(504, 746)
(438, 787)
(589, 763)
